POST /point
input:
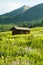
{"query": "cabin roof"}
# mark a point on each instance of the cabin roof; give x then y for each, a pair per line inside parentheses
(21, 28)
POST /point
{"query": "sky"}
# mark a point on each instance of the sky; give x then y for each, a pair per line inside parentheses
(9, 5)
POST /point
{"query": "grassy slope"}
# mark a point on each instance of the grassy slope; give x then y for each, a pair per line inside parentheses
(24, 49)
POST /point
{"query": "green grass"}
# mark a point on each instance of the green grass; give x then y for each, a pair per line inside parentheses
(23, 49)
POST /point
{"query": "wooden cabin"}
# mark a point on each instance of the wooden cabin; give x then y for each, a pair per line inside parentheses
(20, 30)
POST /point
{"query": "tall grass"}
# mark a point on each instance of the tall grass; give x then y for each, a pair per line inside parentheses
(24, 49)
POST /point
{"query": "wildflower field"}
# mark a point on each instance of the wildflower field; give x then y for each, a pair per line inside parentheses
(23, 49)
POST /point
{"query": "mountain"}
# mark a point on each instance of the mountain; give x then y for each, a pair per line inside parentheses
(9, 17)
(23, 14)
(16, 12)
(33, 13)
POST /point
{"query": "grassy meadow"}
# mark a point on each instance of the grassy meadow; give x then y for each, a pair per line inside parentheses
(23, 49)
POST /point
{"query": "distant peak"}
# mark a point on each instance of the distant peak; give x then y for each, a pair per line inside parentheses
(26, 7)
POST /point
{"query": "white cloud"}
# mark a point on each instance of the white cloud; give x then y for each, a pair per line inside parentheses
(13, 5)
(8, 6)
(1, 5)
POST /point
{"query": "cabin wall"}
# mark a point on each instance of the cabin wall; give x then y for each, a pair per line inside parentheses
(20, 32)
(13, 31)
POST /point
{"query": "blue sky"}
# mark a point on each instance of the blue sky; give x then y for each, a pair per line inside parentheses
(9, 5)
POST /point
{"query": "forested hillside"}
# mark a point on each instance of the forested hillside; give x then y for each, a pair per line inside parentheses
(24, 17)
(23, 14)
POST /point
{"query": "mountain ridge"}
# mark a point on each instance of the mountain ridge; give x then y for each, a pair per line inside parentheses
(33, 13)
(17, 11)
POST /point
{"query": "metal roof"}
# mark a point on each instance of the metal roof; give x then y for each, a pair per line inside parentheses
(22, 28)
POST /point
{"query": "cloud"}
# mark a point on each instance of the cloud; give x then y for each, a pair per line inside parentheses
(13, 5)
(9, 6)
(1, 5)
